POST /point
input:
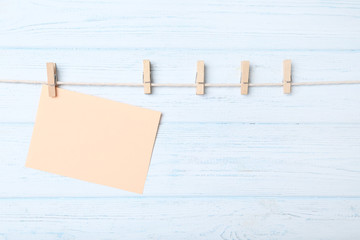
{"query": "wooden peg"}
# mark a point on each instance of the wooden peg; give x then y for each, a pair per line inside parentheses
(245, 66)
(147, 77)
(287, 76)
(200, 78)
(52, 78)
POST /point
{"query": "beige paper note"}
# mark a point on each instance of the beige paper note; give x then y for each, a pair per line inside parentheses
(93, 139)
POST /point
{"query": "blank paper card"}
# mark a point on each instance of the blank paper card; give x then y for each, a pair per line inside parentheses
(93, 139)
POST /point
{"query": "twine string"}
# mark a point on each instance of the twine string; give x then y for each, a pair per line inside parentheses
(182, 84)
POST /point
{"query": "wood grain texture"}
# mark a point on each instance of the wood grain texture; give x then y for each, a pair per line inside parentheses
(179, 218)
(147, 77)
(245, 69)
(225, 166)
(200, 78)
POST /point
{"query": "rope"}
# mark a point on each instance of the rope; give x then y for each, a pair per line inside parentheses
(182, 84)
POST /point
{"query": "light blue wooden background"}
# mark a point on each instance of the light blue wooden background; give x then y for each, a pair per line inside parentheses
(225, 166)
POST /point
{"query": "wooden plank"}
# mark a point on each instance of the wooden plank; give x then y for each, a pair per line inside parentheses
(266, 104)
(323, 104)
(236, 159)
(327, 25)
(180, 218)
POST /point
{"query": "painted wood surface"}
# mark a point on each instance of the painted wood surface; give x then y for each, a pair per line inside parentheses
(225, 165)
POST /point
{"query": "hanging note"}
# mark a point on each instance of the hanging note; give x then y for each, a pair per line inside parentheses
(93, 139)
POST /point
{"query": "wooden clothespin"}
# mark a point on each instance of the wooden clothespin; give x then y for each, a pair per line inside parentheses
(287, 76)
(52, 78)
(200, 78)
(147, 77)
(244, 82)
